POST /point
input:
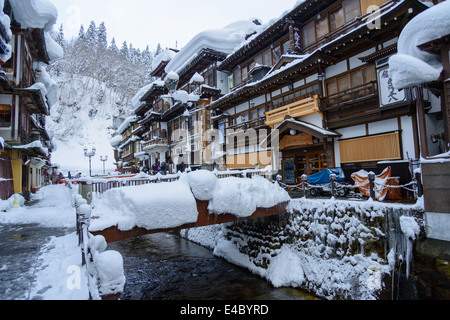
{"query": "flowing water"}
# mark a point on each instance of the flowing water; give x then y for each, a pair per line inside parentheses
(168, 267)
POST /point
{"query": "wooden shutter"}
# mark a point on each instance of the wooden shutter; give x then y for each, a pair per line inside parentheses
(372, 148)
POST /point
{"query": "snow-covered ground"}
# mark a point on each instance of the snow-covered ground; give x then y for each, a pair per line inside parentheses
(59, 274)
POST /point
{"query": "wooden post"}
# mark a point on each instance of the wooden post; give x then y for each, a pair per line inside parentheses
(333, 187)
(304, 182)
(371, 177)
(418, 178)
(421, 120)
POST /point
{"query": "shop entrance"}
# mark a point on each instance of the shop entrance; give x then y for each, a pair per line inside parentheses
(298, 162)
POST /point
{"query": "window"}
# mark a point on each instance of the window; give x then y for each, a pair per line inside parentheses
(261, 111)
(5, 115)
(331, 88)
(237, 76)
(352, 9)
(276, 52)
(244, 73)
(286, 46)
(267, 58)
(308, 34)
(337, 19)
(321, 27)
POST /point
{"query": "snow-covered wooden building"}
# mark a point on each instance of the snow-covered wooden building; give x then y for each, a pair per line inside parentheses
(319, 75)
(26, 91)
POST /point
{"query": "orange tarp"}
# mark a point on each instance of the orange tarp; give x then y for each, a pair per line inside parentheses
(381, 191)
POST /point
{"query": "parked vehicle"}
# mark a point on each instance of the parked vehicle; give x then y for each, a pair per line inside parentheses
(320, 183)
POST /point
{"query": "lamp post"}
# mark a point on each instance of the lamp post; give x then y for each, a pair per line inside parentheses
(186, 116)
(89, 155)
(104, 159)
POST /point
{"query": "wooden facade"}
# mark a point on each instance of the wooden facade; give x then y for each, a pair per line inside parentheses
(23, 110)
(323, 65)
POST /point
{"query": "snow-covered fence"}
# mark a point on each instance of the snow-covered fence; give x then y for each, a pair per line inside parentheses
(104, 269)
(337, 189)
(100, 186)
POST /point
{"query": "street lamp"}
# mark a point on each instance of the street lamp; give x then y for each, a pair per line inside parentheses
(186, 116)
(89, 155)
(104, 159)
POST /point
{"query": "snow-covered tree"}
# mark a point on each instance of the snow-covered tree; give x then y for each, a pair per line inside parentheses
(81, 34)
(91, 34)
(60, 39)
(124, 50)
(102, 36)
(113, 46)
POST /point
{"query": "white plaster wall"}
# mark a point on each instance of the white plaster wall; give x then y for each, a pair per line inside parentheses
(383, 126)
(336, 69)
(407, 137)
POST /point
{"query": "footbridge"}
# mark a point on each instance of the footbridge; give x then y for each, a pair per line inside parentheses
(133, 206)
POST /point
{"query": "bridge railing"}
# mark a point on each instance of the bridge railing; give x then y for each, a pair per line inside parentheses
(337, 189)
(94, 257)
(101, 185)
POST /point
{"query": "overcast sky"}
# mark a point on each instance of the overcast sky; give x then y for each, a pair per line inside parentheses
(148, 22)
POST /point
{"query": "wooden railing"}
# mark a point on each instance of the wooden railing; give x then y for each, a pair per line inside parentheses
(300, 108)
(102, 185)
(155, 142)
(365, 91)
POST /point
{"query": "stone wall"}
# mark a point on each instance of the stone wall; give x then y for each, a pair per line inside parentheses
(339, 249)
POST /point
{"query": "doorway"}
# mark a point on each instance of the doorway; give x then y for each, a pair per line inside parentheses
(310, 163)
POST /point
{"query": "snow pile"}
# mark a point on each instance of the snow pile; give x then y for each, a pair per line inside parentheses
(172, 204)
(285, 270)
(150, 206)
(203, 184)
(111, 278)
(53, 209)
(61, 277)
(412, 66)
(222, 40)
(409, 227)
(241, 197)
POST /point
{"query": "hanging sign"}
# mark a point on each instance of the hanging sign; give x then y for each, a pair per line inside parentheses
(388, 94)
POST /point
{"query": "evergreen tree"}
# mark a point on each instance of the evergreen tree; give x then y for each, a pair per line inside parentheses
(158, 50)
(81, 34)
(124, 49)
(91, 34)
(113, 46)
(60, 37)
(102, 36)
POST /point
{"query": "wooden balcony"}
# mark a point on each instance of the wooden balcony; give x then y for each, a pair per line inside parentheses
(353, 95)
(297, 109)
(155, 143)
(254, 124)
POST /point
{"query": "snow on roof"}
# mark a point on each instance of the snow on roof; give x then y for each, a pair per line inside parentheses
(412, 66)
(40, 14)
(136, 101)
(197, 78)
(5, 20)
(126, 124)
(165, 56)
(222, 40)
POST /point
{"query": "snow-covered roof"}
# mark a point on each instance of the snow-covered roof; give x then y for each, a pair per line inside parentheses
(221, 40)
(137, 99)
(126, 124)
(412, 66)
(164, 56)
(38, 14)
